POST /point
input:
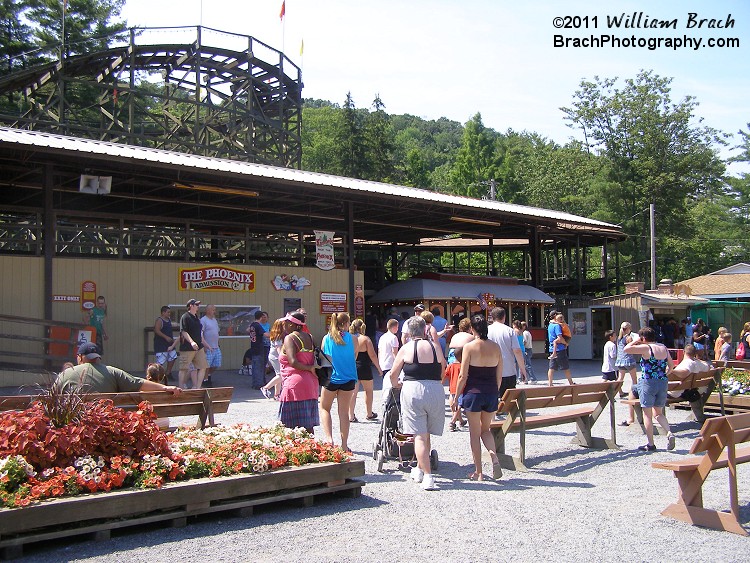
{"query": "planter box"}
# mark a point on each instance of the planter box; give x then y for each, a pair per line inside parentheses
(732, 403)
(100, 512)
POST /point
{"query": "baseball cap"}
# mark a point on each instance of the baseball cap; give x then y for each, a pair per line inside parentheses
(89, 350)
(419, 307)
(193, 302)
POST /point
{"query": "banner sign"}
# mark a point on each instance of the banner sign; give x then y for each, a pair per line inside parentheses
(216, 278)
(88, 295)
(359, 302)
(324, 250)
(332, 303)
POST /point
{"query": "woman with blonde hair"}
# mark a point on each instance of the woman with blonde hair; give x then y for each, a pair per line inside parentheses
(626, 363)
(745, 338)
(366, 359)
(340, 347)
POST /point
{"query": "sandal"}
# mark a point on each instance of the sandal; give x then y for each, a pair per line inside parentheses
(624, 423)
(372, 416)
(353, 419)
(647, 448)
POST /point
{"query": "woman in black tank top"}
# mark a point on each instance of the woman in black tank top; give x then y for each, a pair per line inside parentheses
(366, 359)
(478, 383)
(422, 395)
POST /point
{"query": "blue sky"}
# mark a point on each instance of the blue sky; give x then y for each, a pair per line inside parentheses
(445, 58)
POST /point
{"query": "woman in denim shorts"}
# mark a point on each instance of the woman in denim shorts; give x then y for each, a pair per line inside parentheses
(656, 363)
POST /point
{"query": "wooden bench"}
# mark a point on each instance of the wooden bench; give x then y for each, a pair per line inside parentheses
(707, 379)
(736, 364)
(718, 439)
(593, 399)
(204, 403)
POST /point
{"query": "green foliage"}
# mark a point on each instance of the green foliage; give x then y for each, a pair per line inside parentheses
(656, 153)
(89, 24)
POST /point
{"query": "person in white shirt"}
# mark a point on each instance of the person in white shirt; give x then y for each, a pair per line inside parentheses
(505, 337)
(210, 337)
(609, 370)
(387, 350)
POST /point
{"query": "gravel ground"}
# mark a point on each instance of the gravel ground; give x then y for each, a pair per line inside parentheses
(573, 505)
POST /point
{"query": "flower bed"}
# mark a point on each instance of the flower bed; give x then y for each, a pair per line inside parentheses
(106, 448)
(735, 382)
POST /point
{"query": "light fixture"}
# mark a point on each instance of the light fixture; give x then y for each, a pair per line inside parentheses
(215, 189)
(476, 221)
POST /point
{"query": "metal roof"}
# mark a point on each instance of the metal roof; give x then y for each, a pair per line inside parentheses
(378, 206)
(430, 289)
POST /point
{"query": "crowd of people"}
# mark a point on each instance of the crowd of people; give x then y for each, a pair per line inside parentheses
(416, 355)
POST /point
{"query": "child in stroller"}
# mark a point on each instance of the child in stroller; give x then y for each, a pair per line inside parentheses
(392, 444)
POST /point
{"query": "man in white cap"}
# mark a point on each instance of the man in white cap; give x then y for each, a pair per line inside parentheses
(92, 375)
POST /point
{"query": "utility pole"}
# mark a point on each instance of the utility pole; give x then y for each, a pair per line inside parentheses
(651, 213)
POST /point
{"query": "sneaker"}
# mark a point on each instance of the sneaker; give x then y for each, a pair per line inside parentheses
(647, 448)
(267, 393)
(499, 418)
(417, 474)
(670, 441)
(428, 484)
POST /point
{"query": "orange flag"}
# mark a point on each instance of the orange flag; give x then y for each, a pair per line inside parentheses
(283, 9)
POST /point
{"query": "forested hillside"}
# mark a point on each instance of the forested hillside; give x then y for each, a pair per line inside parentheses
(641, 147)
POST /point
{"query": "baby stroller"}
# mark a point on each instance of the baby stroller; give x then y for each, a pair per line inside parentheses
(391, 442)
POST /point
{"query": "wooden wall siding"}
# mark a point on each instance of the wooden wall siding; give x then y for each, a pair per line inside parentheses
(136, 290)
(20, 290)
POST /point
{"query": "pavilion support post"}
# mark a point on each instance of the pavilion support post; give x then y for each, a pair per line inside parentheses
(534, 255)
(349, 210)
(579, 266)
(49, 246)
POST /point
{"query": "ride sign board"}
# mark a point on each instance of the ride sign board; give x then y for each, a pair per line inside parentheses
(332, 302)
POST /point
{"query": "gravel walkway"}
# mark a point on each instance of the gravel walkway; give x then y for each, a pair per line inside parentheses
(573, 505)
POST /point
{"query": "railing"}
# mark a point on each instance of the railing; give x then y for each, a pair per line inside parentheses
(20, 352)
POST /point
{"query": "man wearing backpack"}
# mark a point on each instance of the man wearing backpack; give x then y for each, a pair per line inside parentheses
(558, 347)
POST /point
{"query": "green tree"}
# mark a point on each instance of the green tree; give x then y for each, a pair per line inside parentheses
(15, 36)
(350, 141)
(476, 162)
(378, 138)
(89, 24)
(657, 152)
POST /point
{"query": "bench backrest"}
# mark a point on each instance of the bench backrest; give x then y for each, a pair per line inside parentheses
(189, 402)
(722, 431)
(694, 380)
(738, 364)
(558, 396)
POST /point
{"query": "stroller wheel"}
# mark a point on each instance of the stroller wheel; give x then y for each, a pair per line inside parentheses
(381, 459)
(375, 450)
(434, 460)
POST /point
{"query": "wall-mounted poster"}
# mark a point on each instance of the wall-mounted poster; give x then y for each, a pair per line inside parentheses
(331, 302)
(234, 320)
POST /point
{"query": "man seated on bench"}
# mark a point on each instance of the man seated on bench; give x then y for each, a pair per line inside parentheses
(93, 376)
(689, 365)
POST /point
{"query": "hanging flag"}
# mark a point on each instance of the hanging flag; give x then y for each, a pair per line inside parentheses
(282, 13)
(302, 47)
(482, 302)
